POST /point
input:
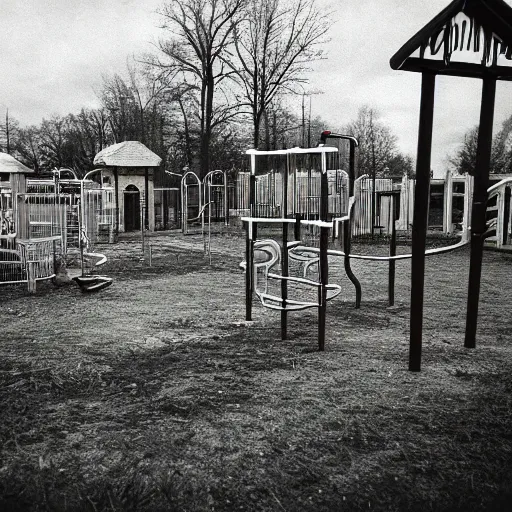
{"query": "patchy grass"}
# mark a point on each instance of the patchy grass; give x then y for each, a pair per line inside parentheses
(155, 394)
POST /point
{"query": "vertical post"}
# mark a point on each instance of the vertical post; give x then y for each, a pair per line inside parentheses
(116, 193)
(249, 243)
(142, 222)
(146, 205)
(392, 252)
(506, 215)
(184, 204)
(284, 283)
(373, 206)
(296, 228)
(249, 271)
(347, 225)
(478, 225)
(323, 260)
(420, 218)
(226, 203)
(165, 209)
(284, 262)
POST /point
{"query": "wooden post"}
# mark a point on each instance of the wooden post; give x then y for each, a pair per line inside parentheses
(116, 193)
(478, 224)
(420, 218)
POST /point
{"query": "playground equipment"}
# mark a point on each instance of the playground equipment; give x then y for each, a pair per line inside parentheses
(499, 214)
(264, 256)
(200, 198)
(30, 261)
(310, 286)
(486, 21)
(54, 220)
(89, 260)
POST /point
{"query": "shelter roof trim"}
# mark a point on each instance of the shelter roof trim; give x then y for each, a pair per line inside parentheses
(492, 18)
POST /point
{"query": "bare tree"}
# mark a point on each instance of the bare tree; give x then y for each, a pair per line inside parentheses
(377, 145)
(275, 44)
(27, 147)
(200, 31)
(8, 132)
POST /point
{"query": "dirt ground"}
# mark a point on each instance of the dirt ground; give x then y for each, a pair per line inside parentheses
(155, 394)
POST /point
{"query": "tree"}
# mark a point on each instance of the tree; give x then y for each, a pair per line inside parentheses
(464, 159)
(274, 44)
(8, 133)
(27, 148)
(377, 145)
(401, 165)
(200, 32)
(501, 156)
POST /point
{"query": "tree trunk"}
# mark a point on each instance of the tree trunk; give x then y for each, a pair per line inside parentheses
(256, 118)
(267, 130)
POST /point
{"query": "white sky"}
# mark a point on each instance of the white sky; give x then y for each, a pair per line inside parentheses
(55, 51)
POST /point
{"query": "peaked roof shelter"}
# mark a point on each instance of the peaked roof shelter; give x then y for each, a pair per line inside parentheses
(9, 164)
(464, 27)
(131, 153)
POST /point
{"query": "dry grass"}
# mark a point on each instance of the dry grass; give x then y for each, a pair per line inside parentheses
(156, 395)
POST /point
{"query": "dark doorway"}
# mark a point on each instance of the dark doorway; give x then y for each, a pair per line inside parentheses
(131, 208)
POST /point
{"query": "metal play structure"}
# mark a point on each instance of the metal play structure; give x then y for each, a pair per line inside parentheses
(55, 222)
(205, 199)
(269, 266)
(469, 39)
(295, 276)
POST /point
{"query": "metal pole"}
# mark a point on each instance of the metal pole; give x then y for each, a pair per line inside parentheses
(419, 229)
(284, 262)
(249, 244)
(392, 252)
(478, 224)
(347, 225)
(323, 260)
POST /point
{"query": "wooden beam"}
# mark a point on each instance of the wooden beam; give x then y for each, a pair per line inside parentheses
(478, 223)
(463, 69)
(420, 218)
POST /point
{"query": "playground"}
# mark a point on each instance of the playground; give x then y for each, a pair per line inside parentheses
(156, 394)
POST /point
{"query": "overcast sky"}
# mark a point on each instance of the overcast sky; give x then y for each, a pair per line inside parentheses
(55, 51)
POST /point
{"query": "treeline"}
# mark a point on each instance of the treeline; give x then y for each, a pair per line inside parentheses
(218, 84)
(464, 159)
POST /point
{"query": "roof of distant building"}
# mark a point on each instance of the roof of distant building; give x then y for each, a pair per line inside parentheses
(130, 153)
(9, 164)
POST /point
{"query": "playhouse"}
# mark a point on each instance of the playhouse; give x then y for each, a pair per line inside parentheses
(128, 168)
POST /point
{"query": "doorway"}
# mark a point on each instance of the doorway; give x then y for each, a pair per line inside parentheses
(131, 208)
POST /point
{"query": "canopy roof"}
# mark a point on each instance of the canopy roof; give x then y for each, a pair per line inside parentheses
(9, 164)
(131, 153)
(464, 25)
